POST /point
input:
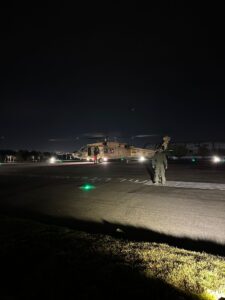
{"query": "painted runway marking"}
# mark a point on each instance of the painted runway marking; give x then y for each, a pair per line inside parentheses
(144, 181)
(192, 185)
(122, 180)
(172, 184)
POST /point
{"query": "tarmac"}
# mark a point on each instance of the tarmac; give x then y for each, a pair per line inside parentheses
(190, 206)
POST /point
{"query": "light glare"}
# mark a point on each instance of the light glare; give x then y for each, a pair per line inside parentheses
(142, 158)
(87, 187)
(52, 160)
(216, 159)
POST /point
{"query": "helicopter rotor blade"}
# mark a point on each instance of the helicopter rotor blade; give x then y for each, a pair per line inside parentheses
(95, 135)
(53, 140)
(99, 135)
(145, 135)
(56, 140)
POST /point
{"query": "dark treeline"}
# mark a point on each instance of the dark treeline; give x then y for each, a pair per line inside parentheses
(24, 155)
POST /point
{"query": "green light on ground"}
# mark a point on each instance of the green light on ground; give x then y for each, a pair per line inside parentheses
(193, 160)
(87, 187)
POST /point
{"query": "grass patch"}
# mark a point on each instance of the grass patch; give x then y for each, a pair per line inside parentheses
(39, 260)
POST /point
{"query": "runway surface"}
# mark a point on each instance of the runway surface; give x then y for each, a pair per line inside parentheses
(190, 205)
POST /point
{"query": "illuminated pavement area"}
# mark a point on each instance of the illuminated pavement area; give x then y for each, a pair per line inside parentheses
(193, 185)
(192, 204)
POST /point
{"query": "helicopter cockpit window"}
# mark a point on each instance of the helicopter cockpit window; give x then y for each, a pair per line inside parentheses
(89, 151)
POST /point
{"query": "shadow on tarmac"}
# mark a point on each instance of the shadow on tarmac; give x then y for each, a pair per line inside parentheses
(37, 268)
(58, 269)
(125, 232)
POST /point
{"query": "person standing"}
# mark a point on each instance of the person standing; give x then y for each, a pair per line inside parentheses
(96, 152)
(159, 164)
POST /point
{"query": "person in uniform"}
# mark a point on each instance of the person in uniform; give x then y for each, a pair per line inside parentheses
(159, 164)
(96, 152)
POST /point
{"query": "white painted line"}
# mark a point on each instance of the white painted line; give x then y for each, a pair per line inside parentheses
(192, 185)
(144, 181)
(93, 179)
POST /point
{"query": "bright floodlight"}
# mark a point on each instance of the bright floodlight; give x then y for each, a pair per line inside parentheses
(141, 158)
(52, 160)
(216, 159)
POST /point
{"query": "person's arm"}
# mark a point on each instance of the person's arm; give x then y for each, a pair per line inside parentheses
(153, 162)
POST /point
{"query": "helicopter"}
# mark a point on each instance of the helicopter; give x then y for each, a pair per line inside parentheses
(107, 150)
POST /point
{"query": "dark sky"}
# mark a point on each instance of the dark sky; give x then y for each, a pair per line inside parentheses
(127, 69)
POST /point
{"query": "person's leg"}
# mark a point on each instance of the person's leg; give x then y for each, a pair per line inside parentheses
(163, 175)
(156, 181)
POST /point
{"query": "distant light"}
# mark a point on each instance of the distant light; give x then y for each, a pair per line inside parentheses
(216, 159)
(88, 158)
(174, 157)
(87, 187)
(52, 160)
(193, 160)
(141, 158)
(105, 158)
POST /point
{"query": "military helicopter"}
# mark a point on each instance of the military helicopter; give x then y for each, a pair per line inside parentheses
(113, 150)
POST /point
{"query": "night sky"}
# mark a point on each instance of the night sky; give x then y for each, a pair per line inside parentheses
(111, 68)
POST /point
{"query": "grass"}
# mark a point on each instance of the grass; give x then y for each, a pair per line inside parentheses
(46, 261)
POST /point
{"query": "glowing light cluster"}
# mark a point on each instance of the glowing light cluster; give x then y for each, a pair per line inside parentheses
(142, 158)
(52, 160)
(216, 159)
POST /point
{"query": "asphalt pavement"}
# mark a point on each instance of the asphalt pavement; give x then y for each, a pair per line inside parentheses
(191, 205)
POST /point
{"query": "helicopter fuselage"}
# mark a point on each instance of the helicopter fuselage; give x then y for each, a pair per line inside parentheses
(113, 150)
